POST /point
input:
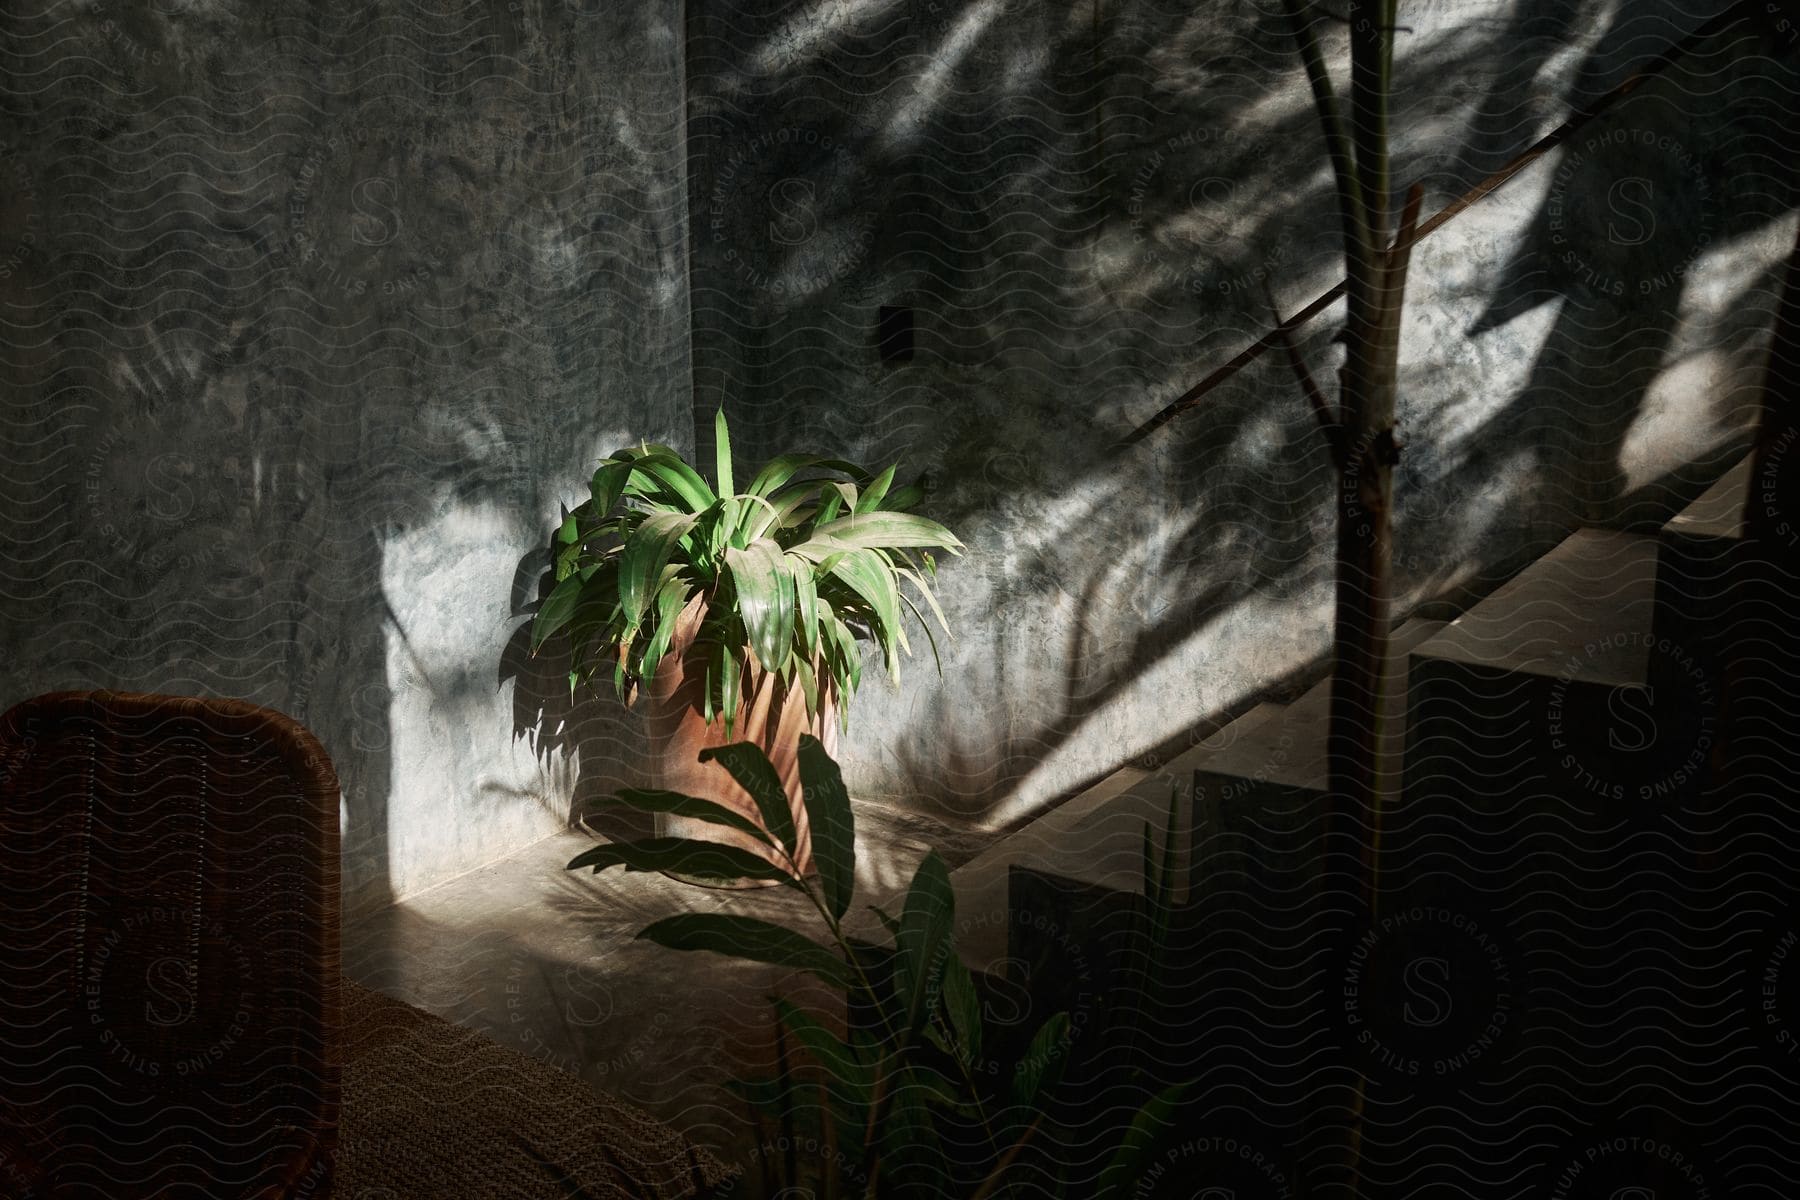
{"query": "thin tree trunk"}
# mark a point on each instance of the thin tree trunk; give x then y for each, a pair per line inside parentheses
(1358, 748)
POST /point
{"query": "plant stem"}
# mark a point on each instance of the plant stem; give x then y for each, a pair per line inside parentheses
(993, 1179)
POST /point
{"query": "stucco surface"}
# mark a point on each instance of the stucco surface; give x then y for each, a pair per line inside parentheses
(1083, 204)
(312, 315)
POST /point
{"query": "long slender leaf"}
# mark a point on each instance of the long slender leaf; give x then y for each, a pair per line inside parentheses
(682, 856)
(781, 513)
(643, 558)
(837, 1056)
(846, 657)
(1132, 1159)
(924, 589)
(722, 453)
(783, 467)
(902, 498)
(558, 609)
(779, 470)
(608, 485)
(671, 599)
(806, 603)
(961, 1004)
(833, 827)
(657, 800)
(925, 922)
(752, 770)
(882, 529)
(1043, 1063)
(748, 937)
(809, 684)
(729, 682)
(865, 574)
(765, 599)
(873, 493)
(667, 468)
(913, 1163)
(930, 638)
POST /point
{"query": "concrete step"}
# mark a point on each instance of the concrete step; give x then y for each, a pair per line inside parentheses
(1274, 778)
(1250, 807)
(1702, 570)
(1730, 649)
(1532, 713)
(1095, 838)
(1053, 906)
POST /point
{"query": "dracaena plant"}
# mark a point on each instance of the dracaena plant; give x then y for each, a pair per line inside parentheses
(796, 569)
(890, 1080)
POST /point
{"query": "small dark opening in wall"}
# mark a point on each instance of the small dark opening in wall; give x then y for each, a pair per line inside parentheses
(894, 333)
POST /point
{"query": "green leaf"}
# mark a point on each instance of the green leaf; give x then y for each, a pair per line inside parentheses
(848, 655)
(783, 468)
(809, 686)
(876, 530)
(912, 1160)
(671, 599)
(751, 768)
(806, 602)
(873, 583)
(669, 470)
(924, 590)
(641, 562)
(682, 856)
(656, 800)
(903, 498)
(721, 521)
(961, 1004)
(749, 938)
(558, 607)
(722, 452)
(1043, 1063)
(930, 639)
(755, 516)
(923, 940)
(706, 692)
(886, 919)
(778, 515)
(1132, 1159)
(946, 1092)
(608, 485)
(872, 494)
(828, 1050)
(567, 559)
(728, 686)
(833, 827)
(765, 600)
(779, 470)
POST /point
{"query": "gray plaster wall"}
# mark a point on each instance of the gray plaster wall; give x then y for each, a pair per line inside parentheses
(1082, 203)
(311, 314)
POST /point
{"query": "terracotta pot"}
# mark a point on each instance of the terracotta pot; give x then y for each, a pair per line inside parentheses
(771, 716)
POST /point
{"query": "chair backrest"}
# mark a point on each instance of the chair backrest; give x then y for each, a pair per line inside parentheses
(168, 949)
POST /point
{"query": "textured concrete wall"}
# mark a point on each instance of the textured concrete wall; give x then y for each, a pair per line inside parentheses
(1082, 204)
(310, 315)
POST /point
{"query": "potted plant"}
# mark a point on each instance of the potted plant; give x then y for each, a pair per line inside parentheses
(739, 614)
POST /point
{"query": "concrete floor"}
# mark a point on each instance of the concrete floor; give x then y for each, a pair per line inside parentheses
(544, 960)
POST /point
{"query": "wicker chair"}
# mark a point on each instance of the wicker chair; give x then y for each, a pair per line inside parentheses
(169, 935)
